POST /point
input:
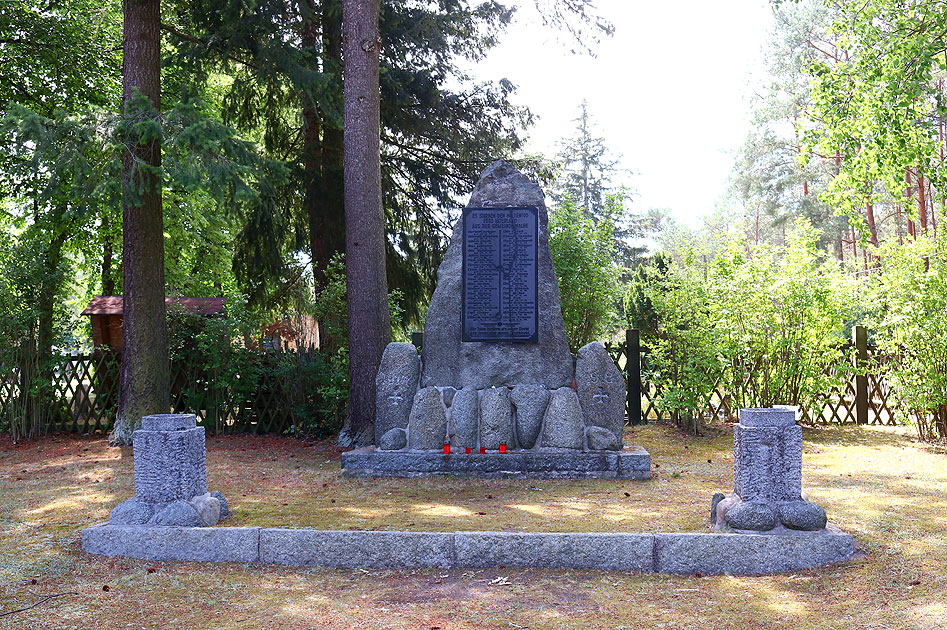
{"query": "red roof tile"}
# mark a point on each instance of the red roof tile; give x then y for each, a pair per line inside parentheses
(112, 305)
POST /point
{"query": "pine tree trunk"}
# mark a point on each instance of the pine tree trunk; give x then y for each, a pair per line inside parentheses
(108, 280)
(312, 161)
(369, 324)
(145, 370)
(40, 404)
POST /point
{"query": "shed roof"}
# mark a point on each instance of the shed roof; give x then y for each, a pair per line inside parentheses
(112, 305)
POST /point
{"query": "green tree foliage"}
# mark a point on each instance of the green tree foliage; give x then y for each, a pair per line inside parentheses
(764, 324)
(770, 182)
(685, 355)
(588, 168)
(438, 128)
(60, 55)
(583, 256)
(59, 177)
(589, 178)
(639, 310)
(781, 313)
(911, 327)
(881, 107)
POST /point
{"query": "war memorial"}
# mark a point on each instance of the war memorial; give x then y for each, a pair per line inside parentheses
(494, 393)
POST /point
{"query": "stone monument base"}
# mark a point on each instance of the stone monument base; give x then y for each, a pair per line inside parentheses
(683, 554)
(633, 462)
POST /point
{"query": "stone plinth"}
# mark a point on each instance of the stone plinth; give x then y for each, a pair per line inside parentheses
(631, 463)
(170, 476)
(767, 476)
(170, 461)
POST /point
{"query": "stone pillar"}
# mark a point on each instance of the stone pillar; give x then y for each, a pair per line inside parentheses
(170, 476)
(767, 476)
(170, 459)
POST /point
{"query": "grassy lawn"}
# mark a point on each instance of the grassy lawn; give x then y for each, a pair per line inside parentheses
(879, 484)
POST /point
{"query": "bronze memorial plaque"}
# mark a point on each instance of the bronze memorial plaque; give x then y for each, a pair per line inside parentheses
(500, 296)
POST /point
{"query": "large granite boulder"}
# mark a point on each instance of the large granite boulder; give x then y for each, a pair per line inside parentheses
(427, 425)
(395, 386)
(496, 418)
(601, 389)
(450, 362)
(562, 424)
(529, 403)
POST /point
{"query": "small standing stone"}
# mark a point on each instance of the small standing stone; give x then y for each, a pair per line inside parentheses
(208, 509)
(462, 423)
(428, 422)
(562, 424)
(395, 386)
(530, 403)
(601, 389)
(496, 418)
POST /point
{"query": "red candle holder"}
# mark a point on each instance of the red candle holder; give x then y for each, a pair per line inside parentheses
(502, 447)
(467, 450)
(446, 448)
(483, 449)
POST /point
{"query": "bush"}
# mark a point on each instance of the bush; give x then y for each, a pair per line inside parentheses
(685, 358)
(911, 301)
(765, 326)
(782, 314)
(219, 367)
(583, 256)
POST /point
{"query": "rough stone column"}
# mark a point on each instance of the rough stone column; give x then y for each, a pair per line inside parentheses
(767, 475)
(170, 459)
(170, 476)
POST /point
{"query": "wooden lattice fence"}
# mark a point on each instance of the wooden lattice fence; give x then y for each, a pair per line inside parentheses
(84, 388)
(859, 399)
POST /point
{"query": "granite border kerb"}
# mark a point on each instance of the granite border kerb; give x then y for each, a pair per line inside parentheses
(673, 553)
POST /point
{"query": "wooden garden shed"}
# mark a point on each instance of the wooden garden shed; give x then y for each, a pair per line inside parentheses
(106, 311)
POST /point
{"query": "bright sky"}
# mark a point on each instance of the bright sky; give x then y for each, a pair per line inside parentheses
(668, 91)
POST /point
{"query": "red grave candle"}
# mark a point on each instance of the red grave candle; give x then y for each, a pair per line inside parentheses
(446, 448)
(467, 450)
(483, 449)
(502, 447)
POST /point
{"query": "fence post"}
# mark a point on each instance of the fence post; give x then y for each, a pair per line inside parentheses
(417, 339)
(861, 380)
(633, 372)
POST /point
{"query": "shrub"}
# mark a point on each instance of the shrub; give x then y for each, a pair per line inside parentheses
(685, 358)
(583, 256)
(782, 314)
(911, 298)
